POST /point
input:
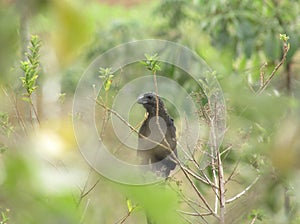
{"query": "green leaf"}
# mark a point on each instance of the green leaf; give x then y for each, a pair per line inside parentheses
(151, 62)
(31, 66)
(129, 205)
(159, 202)
(107, 84)
(107, 75)
(284, 37)
(26, 99)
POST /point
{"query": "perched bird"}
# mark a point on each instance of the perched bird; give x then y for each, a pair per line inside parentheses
(157, 136)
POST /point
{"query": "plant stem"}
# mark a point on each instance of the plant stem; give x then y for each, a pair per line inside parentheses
(264, 86)
(221, 188)
(34, 111)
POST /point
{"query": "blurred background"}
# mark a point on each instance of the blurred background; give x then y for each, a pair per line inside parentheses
(44, 179)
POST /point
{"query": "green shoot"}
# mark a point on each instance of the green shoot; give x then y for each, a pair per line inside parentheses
(284, 37)
(256, 215)
(107, 76)
(5, 124)
(4, 216)
(31, 66)
(152, 62)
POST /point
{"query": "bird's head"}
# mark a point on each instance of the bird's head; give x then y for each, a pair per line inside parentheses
(148, 100)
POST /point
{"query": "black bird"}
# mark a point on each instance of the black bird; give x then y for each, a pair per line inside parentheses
(157, 136)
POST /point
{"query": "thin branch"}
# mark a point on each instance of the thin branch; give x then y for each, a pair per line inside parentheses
(189, 157)
(216, 183)
(205, 180)
(213, 163)
(197, 177)
(83, 192)
(15, 104)
(187, 142)
(253, 220)
(229, 147)
(215, 152)
(105, 117)
(262, 74)
(243, 192)
(123, 220)
(34, 110)
(232, 173)
(130, 126)
(126, 138)
(116, 114)
(221, 188)
(199, 193)
(84, 211)
(186, 219)
(189, 201)
(194, 213)
(92, 188)
(285, 51)
(211, 184)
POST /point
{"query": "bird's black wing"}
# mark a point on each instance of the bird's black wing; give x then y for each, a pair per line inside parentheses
(160, 157)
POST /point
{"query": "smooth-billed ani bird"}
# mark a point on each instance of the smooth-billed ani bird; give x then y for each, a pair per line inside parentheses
(157, 136)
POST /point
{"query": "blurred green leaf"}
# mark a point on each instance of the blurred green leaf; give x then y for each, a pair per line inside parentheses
(73, 30)
(159, 202)
(107, 76)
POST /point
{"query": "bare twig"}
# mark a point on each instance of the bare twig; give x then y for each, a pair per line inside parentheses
(34, 110)
(186, 219)
(221, 188)
(254, 219)
(194, 213)
(243, 192)
(214, 153)
(217, 163)
(123, 220)
(232, 173)
(84, 211)
(285, 51)
(16, 109)
(87, 192)
(83, 192)
(189, 201)
(129, 125)
(125, 139)
(216, 183)
(105, 117)
(197, 177)
(199, 193)
(229, 147)
(116, 114)
(262, 74)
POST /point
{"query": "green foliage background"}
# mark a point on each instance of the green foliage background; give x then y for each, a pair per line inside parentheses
(43, 178)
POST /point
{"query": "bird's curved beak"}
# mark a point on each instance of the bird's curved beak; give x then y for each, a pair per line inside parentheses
(141, 100)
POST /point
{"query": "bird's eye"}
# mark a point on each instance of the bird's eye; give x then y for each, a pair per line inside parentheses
(149, 97)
